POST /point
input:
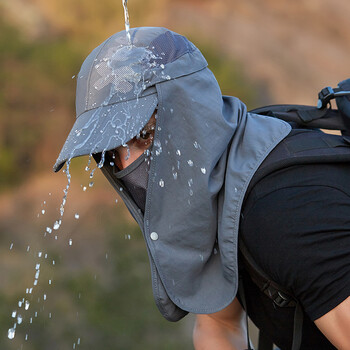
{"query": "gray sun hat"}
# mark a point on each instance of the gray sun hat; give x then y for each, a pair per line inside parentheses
(116, 92)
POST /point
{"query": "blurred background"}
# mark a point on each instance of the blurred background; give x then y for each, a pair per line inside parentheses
(93, 289)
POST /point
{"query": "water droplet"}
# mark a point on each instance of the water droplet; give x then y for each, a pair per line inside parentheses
(178, 152)
(28, 248)
(84, 188)
(48, 229)
(20, 303)
(175, 175)
(14, 313)
(40, 254)
(116, 200)
(26, 337)
(50, 281)
(37, 266)
(11, 246)
(162, 66)
(236, 190)
(35, 282)
(73, 76)
(76, 216)
(190, 163)
(56, 225)
(44, 296)
(43, 211)
(11, 333)
(91, 184)
(203, 170)
(37, 273)
(161, 183)
(196, 144)
(26, 305)
(70, 241)
(19, 319)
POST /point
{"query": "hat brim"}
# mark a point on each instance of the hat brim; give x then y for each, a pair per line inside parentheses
(105, 128)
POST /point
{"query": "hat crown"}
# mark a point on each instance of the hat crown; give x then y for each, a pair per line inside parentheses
(117, 71)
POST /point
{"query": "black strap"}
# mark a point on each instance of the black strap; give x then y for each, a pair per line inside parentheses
(308, 115)
(241, 295)
(280, 296)
(298, 327)
(305, 116)
(264, 342)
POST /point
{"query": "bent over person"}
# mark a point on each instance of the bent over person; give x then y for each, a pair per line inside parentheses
(184, 159)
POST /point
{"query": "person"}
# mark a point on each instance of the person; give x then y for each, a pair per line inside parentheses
(182, 156)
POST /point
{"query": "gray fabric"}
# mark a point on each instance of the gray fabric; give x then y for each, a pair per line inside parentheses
(205, 151)
(115, 87)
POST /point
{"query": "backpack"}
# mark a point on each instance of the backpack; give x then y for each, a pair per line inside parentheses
(262, 298)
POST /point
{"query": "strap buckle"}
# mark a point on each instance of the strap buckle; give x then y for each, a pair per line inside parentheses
(282, 300)
(279, 298)
(327, 94)
(324, 96)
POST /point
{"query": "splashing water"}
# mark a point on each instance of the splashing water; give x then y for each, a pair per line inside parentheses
(127, 22)
(11, 333)
(19, 319)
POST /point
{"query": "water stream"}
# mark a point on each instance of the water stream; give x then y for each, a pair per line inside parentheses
(127, 23)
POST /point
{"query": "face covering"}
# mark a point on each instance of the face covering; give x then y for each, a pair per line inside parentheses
(135, 179)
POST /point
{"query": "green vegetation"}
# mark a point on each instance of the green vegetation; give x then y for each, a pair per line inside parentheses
(104, 298)
(36, 80)
(228, 73)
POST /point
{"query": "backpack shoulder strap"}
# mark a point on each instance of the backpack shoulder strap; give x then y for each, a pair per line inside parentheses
(322, 116)
(305, 116)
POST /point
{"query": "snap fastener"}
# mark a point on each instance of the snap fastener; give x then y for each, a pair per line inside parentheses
(154, 236)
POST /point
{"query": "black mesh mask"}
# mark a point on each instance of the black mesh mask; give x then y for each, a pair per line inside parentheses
(135, 179)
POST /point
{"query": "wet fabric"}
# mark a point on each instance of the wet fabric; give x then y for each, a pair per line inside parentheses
(296, 225)
(116, 92)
